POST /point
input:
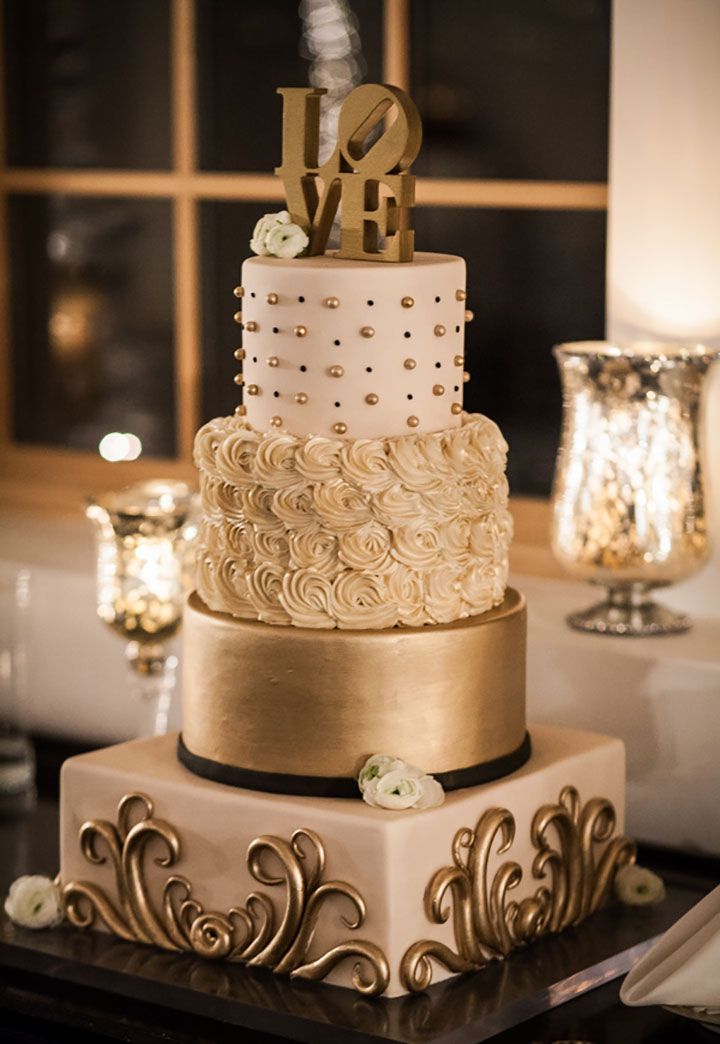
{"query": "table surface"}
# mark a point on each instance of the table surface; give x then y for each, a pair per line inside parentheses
(40, 1001)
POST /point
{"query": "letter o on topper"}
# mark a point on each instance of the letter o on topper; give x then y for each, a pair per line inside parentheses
(397, 146)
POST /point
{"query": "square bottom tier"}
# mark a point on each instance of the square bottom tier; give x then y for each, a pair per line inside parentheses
(334, 890)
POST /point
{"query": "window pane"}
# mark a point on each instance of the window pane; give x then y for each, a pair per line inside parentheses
(534, 278)
(92, 336)
(247, 50)
(87, 83)
(512, 90)
(225, 234)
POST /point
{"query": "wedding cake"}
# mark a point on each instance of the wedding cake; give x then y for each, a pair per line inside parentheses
(351, 634)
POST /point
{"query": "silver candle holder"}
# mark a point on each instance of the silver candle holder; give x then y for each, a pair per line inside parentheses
(145, 556)
(629, 504)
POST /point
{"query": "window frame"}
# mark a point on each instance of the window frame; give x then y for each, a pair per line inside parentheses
(52, 479)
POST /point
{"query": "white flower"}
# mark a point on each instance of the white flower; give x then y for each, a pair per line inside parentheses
(637, 886)
(34, 902)
(375, 766)
(275, 234)
(263, 226)
(287, 240)
(388, 782)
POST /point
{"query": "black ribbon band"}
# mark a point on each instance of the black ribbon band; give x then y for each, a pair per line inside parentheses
(341, 786)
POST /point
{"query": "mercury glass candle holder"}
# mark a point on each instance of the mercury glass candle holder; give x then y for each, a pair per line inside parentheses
(629, 504)
(145, 536)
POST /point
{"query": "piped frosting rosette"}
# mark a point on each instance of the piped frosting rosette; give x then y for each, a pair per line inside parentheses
(373, 533)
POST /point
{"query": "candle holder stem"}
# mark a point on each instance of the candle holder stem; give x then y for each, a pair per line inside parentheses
(629, 611)
(152, 684)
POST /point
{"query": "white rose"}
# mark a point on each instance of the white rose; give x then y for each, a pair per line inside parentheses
(637, 886)
(376, 765)
(34, 902)
(258, 243)
(286, 240)
(387, 782)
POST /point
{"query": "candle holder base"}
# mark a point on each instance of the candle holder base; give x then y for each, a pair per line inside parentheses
(629, 612)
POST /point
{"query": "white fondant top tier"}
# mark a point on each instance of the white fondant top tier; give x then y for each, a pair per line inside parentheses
(361, 349)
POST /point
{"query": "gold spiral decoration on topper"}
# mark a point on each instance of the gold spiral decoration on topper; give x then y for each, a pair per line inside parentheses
(251, 934)
(488, 926)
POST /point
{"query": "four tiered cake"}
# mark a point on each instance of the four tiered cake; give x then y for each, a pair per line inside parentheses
(351, 602)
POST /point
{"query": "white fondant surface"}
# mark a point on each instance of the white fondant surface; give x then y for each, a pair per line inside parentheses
(388, 856)
(369, 295)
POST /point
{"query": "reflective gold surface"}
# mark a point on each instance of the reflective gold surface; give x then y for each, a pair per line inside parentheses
(302, 701)
(577, 867)
(249, 934)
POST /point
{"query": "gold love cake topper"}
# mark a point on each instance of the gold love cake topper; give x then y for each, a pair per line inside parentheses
(369, 181)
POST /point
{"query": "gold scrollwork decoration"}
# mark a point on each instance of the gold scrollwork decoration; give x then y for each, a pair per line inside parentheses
(252, 934)
(576, 859)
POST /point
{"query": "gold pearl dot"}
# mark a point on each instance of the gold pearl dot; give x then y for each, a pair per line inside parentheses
(239, 354)
(238, 378)
(340, 428)
(372, 399)
(456, 408)
(438, 389)
(469, 316)
(466, 377)
(336, 371)
(300, 331)
(461, 295)
(412, 422)
(238, 317)
(301, 398)
(409, 364)
(367, 331)
(239, 291)
(331, 302)
(439, 330)
(458, 360)
(407, 302)
(240, 411)
(251, 327)
(276, 421)
(252, 389)
(273, 361)
(272, 298)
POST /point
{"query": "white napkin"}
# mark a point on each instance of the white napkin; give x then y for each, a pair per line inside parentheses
(683, 967)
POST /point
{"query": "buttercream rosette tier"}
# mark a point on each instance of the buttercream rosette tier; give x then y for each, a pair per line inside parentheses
(325, 532)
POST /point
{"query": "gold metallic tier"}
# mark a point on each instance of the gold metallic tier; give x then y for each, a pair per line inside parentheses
(299, 702)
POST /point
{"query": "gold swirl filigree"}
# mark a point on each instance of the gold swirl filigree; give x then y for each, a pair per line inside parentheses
(576, 859)
(251, 934)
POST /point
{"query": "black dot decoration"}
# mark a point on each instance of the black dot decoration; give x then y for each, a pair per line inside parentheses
(456, 388)
(371, 303)
(301, 300)
(303, 369)
(336, 343)
(437, 300)
(409, 396)
(407, 333)
(276, 394)
(368, 369)
(254, 358)
(337, 404)
(275, 329)
(252, 293)
(438, 365)
(457, 329)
